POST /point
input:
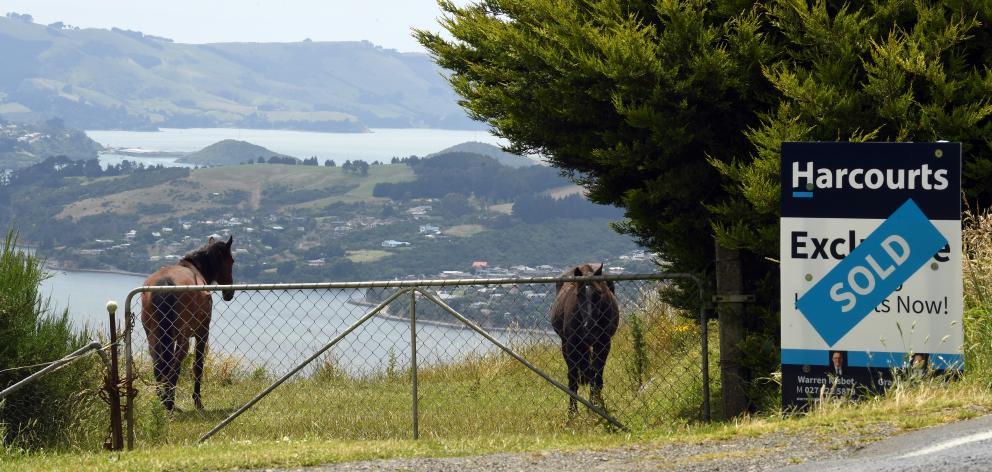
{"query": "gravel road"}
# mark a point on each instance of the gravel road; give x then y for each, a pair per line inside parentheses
(766, 452)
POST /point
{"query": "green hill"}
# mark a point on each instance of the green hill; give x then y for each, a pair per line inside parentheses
(120, 79)
(484, 149)
(231, 152)
(23, 144)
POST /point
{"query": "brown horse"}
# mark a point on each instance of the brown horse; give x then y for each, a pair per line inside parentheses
(585, 315)
(171, 318)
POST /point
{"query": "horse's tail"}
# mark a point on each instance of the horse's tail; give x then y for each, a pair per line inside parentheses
(166, 316)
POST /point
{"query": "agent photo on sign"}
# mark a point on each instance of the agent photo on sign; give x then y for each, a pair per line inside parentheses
(838, 364)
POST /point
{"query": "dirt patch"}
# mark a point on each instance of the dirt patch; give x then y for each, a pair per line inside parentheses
(464, 231)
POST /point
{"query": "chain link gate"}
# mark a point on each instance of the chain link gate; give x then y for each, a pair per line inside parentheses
(356, 359)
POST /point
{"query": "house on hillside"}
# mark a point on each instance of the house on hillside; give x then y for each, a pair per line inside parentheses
(391, 243)
(421, 210)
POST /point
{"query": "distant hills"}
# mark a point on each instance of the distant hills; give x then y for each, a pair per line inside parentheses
(121, 79)
(23, 144)
(231, 152)
(488, 150)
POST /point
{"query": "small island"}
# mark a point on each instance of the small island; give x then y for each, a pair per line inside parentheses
(233, 152)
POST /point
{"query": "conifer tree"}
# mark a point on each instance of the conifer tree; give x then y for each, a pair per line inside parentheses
(675, 110)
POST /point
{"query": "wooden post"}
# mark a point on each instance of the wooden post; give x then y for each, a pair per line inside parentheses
(730, 307)
(112, 387)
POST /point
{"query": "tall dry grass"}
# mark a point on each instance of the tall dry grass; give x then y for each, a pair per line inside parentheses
(977, 249)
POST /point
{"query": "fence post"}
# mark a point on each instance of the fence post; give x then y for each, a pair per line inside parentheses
(113, 384)
(730, 285)
(413, 361)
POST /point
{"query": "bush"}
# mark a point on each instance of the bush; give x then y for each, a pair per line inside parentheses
(53, 411)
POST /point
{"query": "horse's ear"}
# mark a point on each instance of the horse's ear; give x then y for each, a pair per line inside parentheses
(577, 272)
(599, 270)
(229, 241)
(210, 240)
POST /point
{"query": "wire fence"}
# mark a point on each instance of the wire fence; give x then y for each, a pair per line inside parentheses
(60, 404)
(412, 366)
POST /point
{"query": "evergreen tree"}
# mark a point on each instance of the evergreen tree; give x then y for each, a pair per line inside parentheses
(676, 110)
(632, 98)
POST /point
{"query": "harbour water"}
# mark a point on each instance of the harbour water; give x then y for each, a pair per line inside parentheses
(379, 145)
(269, 329)
(276, 330)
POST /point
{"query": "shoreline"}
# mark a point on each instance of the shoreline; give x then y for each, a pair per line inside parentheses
(56, 267)
(384, 313)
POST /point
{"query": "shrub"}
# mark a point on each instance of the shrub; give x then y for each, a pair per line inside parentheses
(55, 410)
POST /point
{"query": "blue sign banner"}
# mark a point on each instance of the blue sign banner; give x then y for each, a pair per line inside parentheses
(857, 284)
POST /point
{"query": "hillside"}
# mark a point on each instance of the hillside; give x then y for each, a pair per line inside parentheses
(23, 144)
(247, 188)
(305, 222)
(485, 149)
(230, 152)
(120, 79)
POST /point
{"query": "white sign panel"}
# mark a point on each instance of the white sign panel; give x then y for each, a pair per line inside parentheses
(870, 265)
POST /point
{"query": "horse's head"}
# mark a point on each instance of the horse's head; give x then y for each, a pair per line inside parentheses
(594, 296)
(225, 266)
(215, 263)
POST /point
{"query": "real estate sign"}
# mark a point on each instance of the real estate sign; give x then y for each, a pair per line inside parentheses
(870, 264)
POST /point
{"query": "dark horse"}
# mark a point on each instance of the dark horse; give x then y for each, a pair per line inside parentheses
(171, 318)
(585, 315)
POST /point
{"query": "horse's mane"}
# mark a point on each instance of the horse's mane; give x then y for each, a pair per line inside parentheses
(206, 259)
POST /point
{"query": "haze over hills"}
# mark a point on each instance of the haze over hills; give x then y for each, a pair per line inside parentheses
(119, 79)
(23, 144)
(488, 150)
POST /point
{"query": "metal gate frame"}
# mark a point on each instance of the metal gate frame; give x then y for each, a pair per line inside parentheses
(412, 287)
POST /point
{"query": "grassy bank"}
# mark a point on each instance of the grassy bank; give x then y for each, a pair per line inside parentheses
(904, 409)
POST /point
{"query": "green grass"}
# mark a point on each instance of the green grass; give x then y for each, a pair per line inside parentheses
(904, 409)
(486, 394)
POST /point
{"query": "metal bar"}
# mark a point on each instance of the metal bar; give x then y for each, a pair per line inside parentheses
(113, 390)
(129, 369)
(293, 372)
(704, 331)
(599, 411)
(74, 356)
(409, 283)
(413, 361)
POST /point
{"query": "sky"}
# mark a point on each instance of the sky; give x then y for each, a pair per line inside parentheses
(386, 23)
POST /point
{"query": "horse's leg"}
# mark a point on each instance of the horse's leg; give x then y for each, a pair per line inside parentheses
(182, 350)
(600, 353)
(570, 353)
(161, 329)
(201, 355)
(161, 361)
